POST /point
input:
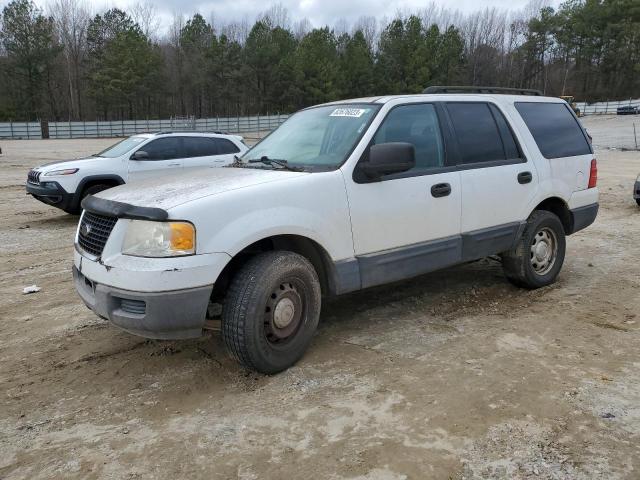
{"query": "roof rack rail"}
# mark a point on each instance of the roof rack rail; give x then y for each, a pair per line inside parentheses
(470, 89)
(172, 132)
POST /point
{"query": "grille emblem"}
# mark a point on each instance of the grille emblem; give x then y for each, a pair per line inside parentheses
(85, 229)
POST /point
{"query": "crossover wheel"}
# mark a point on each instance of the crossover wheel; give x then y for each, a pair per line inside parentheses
(538, 257)
(92, 190)
(271, 311)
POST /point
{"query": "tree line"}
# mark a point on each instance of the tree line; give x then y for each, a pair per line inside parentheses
(66, 63)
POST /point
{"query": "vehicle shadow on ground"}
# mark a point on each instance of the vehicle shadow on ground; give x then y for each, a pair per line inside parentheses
(427, 290)
(105, 347)
(62, 220)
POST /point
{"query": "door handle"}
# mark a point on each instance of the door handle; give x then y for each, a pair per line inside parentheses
(173, 165)
(440, 190)
(524, 177)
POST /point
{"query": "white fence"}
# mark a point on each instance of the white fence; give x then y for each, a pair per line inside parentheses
(123, 128)
(606, 108)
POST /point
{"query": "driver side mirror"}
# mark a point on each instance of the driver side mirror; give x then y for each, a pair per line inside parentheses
(140, 155)
(389, 158)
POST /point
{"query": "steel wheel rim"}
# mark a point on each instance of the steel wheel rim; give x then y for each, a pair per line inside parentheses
(543, 251)
(284, 312)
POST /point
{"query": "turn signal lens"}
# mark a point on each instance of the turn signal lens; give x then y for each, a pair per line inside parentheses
(593, 174)
(183, 236)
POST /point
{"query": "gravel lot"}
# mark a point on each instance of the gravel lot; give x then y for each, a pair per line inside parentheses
(456, 374)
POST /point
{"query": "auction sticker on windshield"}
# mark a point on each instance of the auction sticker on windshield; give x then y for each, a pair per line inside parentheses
(349, 112)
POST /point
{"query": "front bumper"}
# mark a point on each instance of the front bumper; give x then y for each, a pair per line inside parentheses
(168, 315)
(52, 194)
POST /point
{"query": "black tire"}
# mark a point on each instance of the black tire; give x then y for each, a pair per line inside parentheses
(528, 270)
(638, 201)
(93, 189)
(250, 327)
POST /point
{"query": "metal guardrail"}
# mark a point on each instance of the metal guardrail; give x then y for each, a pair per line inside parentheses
(124, 128)
(606, 108)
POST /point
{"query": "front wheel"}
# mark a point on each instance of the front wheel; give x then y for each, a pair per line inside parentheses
(538, 257)
(271, 311)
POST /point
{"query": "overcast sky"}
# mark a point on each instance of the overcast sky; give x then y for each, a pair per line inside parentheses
(319, 12)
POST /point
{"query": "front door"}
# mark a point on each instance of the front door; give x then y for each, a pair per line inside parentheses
(409, 223)
(163, 157)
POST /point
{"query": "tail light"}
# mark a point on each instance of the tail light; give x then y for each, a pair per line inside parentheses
(593, 174)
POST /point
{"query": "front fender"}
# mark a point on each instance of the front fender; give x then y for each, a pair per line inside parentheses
(312, 206)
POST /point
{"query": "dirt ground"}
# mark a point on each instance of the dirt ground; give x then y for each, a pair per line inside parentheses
(456, 374)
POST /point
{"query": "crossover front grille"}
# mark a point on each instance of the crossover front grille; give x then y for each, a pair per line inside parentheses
(94, 232)
(33, 177)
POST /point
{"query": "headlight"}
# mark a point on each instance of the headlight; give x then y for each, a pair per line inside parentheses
(66, 171)
(159, 239)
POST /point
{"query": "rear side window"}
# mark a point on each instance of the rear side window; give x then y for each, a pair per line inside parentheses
(199, 147)
(226, 147)
(477, 132)
(418, 125)
(554, 128)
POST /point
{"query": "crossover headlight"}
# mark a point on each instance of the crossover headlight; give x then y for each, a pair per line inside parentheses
(159, 239)
(66, 171)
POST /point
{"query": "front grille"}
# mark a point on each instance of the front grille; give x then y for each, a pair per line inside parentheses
(94, 232)
(33, 177)
(137, 307)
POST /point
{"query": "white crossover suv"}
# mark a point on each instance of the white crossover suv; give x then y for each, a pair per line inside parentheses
(341, 197)
(64, 184)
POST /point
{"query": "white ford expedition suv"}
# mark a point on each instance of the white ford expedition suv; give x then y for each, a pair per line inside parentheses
(64, 184)
(341, 197)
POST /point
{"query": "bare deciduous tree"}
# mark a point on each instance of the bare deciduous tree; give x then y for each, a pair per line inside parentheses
(145, 14)
(71, 19)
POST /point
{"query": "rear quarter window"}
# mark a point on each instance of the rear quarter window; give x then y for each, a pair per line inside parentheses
(555, 130)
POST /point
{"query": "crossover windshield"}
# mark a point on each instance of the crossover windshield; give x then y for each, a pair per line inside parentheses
(316, 138)
(121, 147)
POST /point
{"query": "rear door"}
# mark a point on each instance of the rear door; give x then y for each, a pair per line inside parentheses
(208, 152)
(163, 158)
(497, 180)
(226, 150)
(200, 152)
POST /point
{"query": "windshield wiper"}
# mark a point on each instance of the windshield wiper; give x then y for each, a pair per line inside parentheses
(273, 161)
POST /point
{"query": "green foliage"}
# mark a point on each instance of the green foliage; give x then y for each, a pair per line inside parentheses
(317, 67)
(124, 68)
(356, 67)
(27, 37)
(587, 48)
(413, 56)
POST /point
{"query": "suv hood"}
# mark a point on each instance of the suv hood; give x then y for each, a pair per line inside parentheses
(165, 193)
(77, 163)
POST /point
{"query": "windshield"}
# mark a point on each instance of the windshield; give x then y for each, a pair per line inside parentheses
(319, 137)
(121, 147)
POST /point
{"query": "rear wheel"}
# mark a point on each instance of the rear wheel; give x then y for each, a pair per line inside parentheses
(538, 257)
(271, 311)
